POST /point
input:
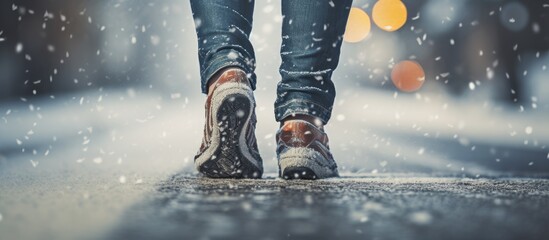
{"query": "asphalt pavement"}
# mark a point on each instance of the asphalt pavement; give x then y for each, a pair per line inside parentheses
(365, 207)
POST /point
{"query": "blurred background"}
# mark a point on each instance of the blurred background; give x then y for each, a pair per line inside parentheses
(74, 70)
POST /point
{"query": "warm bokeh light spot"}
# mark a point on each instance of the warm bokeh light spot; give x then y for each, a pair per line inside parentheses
(389, 15)
(408, 76)
(358, 26)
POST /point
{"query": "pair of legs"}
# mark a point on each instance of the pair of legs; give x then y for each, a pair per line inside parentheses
(312, 34)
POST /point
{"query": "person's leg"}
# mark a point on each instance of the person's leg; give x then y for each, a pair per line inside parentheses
(312, 33)
(223, 28)
(229, 148)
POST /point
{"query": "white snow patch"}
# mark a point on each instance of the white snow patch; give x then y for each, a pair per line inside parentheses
(232, 55)
(421, 218)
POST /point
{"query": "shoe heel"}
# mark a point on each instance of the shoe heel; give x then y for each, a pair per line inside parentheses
(232, 158)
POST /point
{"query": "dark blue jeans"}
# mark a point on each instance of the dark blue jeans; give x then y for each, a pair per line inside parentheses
(312, 33)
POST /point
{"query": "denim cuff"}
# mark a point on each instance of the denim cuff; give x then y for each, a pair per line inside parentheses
(302, 107)
(224, 61)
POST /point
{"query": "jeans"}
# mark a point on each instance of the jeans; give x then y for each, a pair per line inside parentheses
(312, 33)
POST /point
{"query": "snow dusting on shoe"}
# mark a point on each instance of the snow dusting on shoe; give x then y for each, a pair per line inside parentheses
(229, 147)
(303, 152)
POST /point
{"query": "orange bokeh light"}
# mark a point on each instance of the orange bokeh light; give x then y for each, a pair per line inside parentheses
(408, 76)
(390, 15)
(358, 26)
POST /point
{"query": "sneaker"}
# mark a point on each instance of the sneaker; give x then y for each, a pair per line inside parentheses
(303, 152)
(229, 147)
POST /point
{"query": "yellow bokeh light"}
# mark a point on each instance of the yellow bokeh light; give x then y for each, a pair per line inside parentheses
(390, 15)
(358, 26)
(408, 76)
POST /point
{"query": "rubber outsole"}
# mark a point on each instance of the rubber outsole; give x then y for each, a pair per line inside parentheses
(228, 161)
(296, 173)
(305, 163)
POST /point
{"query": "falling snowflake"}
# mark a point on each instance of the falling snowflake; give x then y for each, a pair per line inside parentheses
(98, 160)
(528, 130)
(472, 85)
(34, 163)
(19, 47)
(122, 179)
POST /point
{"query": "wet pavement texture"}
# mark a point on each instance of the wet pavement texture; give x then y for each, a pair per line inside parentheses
(364, 207)
(122, 168)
